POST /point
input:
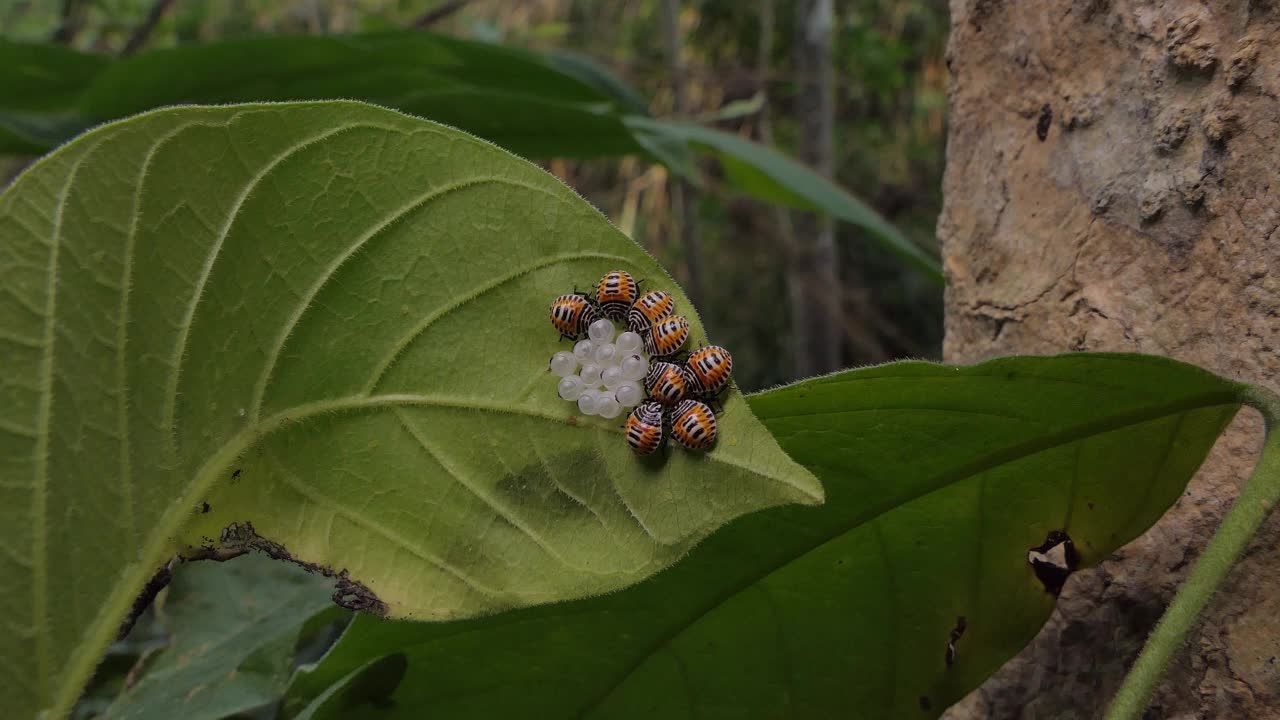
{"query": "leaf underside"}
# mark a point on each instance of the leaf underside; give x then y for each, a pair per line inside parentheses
(325, 322)
(939, 481)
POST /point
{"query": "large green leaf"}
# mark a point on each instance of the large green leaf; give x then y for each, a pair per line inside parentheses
(763, 172)
(319, 330)
(508, 96)
(40, 86)
(939, 480)
(234, 630)
(45, 77)
(553, 105)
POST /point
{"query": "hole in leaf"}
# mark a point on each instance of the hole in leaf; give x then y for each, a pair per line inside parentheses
(956, 633)
(1054, 560)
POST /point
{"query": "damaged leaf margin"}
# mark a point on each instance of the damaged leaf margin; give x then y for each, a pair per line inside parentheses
(334, 333)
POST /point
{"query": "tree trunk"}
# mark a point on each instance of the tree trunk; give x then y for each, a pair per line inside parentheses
(1112, 184)
(813, 278)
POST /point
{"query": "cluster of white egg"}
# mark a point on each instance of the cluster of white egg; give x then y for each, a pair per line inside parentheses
(603, 373)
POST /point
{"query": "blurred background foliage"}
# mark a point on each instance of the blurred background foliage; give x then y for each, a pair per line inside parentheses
(736, 71)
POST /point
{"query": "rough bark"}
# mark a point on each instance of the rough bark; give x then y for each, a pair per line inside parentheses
(817, 304)
(1113, 183)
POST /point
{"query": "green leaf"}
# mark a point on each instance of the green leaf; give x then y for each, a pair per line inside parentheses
(939, 480)
(366, 685)
(554, 105)
(320, 330)
(42, 84)
(629, 100)
(234, 629)
(44, 77)
(763, 172)
(509, 96)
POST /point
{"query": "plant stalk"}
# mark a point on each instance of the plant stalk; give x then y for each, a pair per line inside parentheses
(1250, 510)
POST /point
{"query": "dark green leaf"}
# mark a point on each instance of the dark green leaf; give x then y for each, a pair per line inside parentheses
(39, 77)
(939, 479)
(369, 685)
(558, 105)
(504, 95)
(234, 626)
(40, 85)
(507, 96)
(629, 100)
(763, 172)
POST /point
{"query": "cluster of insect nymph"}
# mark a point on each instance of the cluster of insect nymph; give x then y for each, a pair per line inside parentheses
(641, 368)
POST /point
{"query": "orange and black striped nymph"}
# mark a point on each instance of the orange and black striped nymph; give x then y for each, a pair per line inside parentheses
(572, 314)
(694, 425)
(666, 382)
(616, 293)
(709, 369)
(648, 310)
(667, 337)
(644, 428)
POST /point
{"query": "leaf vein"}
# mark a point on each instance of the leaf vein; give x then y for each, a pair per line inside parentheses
(310, 493)
(470, 296)
(184, 330)
(122, 331)
(457, 475)
(44, 418)
(418, 203)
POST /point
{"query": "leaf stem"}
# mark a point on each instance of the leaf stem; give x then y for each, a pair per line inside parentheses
(1251, 508)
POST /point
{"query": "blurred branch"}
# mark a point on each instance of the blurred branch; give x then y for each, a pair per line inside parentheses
(763, 56)
(684, 199)
(71, 23)
(142, 33)
(781, 216)
(813, 277)
(438, 13)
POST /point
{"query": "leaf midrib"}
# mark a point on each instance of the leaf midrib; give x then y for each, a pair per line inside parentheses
(233, 213)
(417, 203)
